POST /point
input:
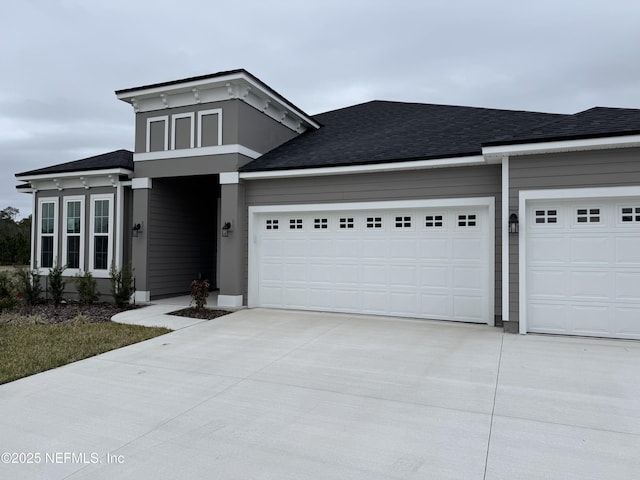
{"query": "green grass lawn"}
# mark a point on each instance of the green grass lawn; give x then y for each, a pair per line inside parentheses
(29, 349)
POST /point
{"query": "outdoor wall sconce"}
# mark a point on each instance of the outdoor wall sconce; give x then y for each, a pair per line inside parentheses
(137, 228)
(226, 228)
(513, 223)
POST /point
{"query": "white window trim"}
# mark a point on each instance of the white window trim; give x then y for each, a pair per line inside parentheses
(202, 113)
(65, 235)
(94, 272)
(173, 128)
(165, 119)
(553, 194)
(41, 201)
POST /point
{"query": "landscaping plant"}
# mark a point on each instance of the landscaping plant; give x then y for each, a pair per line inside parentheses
(28, 285)
(199, 293)
(121, 284)
(56, 284)
(7, 294)
(87, 288)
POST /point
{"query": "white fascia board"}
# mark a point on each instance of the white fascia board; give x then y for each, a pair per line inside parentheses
(229, 178)
(136, 96)
(372, 168)
(626, 141)
(197, 152)
(84, 173)
(570, 193)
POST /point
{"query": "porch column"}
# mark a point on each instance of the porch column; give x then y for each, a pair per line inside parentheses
(140, 242)
(232, 248)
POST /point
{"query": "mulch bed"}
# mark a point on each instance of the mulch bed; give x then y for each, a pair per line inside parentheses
(202, 314)
(69, 312)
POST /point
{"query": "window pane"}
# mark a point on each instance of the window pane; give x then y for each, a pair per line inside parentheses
(47, 219)
(73, 251)
(46, 255)
(73, 217)
(101, 217)
(101, 253)
(209, 130)
(156, 136)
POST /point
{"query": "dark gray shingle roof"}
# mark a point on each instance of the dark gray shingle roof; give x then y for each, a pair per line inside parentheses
(382, 131)
(592, 123)
(116, 159)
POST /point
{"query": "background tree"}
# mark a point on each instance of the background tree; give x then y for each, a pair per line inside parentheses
(15, 238)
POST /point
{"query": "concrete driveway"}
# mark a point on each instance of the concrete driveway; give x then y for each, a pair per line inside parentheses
(266, 394)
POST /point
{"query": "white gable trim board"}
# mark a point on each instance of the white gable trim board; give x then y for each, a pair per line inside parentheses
(429, 259)
(580, 258)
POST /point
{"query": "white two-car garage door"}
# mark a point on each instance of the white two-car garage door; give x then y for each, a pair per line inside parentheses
(583, 267)
(422, 261)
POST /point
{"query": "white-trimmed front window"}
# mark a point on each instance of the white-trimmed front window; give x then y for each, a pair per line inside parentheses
(47, 232)
(182, 131)
(210, 128)
(73, 234)
(158, 134)
(101, 234)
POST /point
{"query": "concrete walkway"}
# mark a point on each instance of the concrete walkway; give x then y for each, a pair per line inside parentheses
(266, 394)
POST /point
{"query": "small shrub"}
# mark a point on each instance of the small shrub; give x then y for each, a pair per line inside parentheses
(7, 295)
(199, 293)
(29, 285)
(87, 288)
(56, 284)
(121, 284)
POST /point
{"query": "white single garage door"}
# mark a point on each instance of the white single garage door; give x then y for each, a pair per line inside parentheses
(432, 263)
(583, 267)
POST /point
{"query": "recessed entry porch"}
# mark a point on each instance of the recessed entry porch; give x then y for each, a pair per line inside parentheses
(178, 240)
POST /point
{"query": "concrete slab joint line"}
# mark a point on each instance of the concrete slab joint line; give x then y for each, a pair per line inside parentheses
(268, 394)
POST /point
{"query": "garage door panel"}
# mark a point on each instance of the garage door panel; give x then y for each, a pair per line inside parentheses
(627, 251)
(550, 317)
(583, 271)
(591, 250)
(383, 265)
(627, 286)
(591, 285)
(586, 319)
(436, 276)
(468, 278)
(435, 249)
(627, 321)
(548, 283)
(468, 249)
(549, 249)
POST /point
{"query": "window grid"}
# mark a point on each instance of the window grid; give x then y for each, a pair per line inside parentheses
(101, 234)
(630, 214)
(73, 232)
(374, 222)
(467, 220)
(272, 224)
(403, 222)
(295, 224)
(588, 215)
(47, 234)
(320, 223)
(546, 216)
(346, 222)
(433, 221)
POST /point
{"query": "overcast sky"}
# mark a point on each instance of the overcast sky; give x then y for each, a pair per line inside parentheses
(62, 60)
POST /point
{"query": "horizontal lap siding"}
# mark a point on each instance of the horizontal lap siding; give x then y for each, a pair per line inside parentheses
(459, 182)
(603, 168)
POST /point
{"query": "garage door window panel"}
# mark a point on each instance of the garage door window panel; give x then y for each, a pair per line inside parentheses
(630, 214)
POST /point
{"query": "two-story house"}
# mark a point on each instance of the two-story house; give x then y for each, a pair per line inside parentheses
(523, 219)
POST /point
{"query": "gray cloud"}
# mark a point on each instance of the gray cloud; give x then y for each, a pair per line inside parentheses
(62, 60)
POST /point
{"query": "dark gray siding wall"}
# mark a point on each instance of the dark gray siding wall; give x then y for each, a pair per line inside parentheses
(182, 240)
(602, 168)
(229, 122)
(260, 132)
(460, 182)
